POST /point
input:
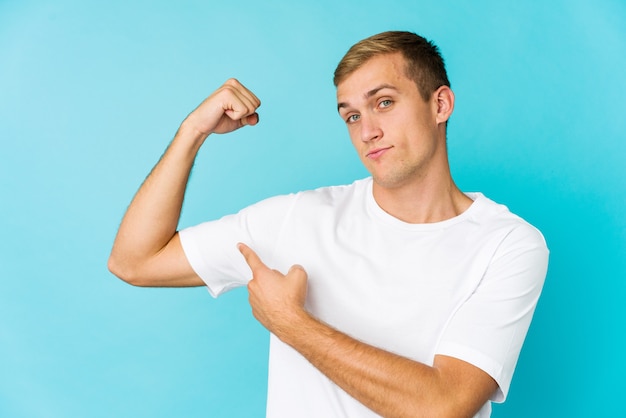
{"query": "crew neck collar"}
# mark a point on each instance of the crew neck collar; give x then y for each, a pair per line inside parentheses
(378, 213)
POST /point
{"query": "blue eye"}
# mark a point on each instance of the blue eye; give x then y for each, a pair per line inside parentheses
(353, 118)
(385, 103)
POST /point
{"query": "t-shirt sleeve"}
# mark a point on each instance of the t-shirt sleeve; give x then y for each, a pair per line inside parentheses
(211, 247)
(489, 328)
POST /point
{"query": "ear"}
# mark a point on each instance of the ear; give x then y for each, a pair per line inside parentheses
(444, 98)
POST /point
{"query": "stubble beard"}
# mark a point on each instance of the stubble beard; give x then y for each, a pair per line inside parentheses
(400, 175)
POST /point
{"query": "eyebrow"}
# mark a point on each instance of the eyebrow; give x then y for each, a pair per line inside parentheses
(369, 94)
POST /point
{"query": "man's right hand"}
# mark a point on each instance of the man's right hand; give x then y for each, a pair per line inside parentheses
(229, 108)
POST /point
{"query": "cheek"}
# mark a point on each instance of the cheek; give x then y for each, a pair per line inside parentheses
(354, 135)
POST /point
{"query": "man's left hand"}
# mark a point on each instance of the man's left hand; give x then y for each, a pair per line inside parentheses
(277, 299)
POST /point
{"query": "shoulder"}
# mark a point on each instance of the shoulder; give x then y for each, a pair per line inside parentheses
(336, 193)
(313, 201)
(512, 229)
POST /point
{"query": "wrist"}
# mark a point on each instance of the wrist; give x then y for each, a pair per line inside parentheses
(297, 326)
(189, 133)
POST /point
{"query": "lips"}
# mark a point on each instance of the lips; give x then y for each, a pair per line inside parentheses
(377, 153)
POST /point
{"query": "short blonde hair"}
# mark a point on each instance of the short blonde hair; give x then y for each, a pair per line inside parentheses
(424, 63)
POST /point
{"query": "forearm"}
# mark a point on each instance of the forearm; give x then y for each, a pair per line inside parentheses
(391, 385)
(151, 219)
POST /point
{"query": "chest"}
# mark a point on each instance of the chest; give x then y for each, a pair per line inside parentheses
(392, 289)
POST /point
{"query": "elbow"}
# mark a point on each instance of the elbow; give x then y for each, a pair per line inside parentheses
(453, 407)
(439, 410)
(444, 404)
(125, 271)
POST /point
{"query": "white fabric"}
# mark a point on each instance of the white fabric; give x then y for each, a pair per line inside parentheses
(465, 287)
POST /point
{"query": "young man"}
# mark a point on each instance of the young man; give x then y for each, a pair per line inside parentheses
(411, 298)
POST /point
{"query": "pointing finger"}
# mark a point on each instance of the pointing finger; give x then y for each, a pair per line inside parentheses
(251, 257)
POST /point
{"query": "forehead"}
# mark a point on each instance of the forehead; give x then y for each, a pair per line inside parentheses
(388, 69)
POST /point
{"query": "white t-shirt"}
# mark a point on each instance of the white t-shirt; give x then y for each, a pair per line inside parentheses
(465, 287)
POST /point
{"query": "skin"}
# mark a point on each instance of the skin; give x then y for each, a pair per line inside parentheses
(147, 249)
(385, 112)
(400, 139)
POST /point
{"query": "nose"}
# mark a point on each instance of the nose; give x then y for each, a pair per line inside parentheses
(370, 129)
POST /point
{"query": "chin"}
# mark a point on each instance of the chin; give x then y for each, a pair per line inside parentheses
(387, 182)
(396, 179)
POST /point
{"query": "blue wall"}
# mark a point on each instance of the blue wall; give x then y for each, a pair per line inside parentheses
(91, 94)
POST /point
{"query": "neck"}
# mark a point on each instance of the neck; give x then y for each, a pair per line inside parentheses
(422, 202)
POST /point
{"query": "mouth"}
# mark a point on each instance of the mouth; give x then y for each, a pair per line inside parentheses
(377, 153)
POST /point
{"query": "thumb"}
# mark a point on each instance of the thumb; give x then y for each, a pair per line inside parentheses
(297, 270)
(251, 120)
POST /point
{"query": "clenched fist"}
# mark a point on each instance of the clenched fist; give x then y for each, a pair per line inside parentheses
(229, 108)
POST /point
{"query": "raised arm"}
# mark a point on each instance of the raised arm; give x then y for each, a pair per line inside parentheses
(147, 249)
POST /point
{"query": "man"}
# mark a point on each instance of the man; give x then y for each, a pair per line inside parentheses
(411, 298)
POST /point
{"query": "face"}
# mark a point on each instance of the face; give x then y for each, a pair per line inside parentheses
(398, 136)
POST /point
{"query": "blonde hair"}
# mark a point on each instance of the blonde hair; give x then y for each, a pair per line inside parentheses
(424, 63)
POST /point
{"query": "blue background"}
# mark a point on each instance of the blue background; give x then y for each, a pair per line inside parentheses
(92, 92)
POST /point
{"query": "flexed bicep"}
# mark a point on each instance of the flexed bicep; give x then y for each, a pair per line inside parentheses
(167, 268)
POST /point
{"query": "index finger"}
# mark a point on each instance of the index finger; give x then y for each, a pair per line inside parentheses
(251, 257)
